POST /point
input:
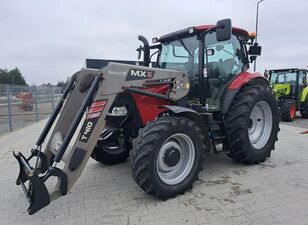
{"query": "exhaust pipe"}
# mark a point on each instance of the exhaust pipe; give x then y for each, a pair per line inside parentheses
(146, 50)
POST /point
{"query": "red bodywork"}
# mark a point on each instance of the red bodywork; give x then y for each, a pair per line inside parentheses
(243, 78)
(149, 107)
(234, 29)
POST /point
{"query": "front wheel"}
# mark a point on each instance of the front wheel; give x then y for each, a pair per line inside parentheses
(304, 109)
(253, 124)
(111, 148)
(287, 109)
(167, 156)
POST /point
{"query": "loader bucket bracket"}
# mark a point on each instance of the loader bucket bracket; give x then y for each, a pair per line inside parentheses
(56, 172)
(34, 152)
(22, 177)
(43, 159)
(36, 192)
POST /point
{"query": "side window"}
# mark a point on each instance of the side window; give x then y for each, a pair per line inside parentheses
(303, 78)
(227, 57)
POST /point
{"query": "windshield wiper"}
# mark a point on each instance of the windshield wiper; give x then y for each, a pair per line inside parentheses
(183, 44)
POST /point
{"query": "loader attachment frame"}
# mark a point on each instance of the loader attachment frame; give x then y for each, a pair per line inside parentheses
(88, 97)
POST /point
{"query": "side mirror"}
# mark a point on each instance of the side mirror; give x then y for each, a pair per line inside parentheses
(255, 50)
(252, 58)
(223, 30)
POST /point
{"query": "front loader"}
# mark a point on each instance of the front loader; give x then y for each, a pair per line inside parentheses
(199, 97)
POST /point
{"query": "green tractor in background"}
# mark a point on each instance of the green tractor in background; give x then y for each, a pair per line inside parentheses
(291, 91)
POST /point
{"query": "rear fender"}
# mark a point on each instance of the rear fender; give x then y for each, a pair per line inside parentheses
(245, 78)
(236, 84)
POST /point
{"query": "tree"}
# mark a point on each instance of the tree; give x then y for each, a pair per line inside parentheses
(13, 76)
(61, 84)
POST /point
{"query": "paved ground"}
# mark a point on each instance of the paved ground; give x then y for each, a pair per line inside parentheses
(275, 192)
(298, 122)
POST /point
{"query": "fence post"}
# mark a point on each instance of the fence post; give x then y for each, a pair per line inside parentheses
(9, 106)
(52, 99)
(35, 102)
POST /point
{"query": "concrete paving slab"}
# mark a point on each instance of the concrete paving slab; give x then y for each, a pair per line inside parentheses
(274, 192)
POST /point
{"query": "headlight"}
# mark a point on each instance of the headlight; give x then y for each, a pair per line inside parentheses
(118, 111)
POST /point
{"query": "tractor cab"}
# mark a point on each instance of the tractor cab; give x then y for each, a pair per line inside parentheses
(290, 88)
(212, 56)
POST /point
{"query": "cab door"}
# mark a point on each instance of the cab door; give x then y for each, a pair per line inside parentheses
(224, 60)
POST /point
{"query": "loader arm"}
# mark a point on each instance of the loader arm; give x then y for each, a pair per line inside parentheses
(88, 98)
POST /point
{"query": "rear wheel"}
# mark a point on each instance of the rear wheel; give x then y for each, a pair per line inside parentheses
(167, 156)
(287, 109)
(304, 109)
(112, 149)
(253, 124)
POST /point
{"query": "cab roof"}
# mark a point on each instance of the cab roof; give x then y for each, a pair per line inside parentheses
(298, 69)
(198, 29)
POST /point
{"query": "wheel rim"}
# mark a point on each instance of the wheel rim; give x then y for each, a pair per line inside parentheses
(292, 111)
(174, 174)
(260, 124)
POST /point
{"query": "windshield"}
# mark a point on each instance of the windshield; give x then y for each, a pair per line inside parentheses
(283, 77)
(177, 54)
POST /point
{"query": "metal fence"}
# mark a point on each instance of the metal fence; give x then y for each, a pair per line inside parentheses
(23, 105)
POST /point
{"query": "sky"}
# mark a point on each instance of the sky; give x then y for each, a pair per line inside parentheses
(50, 40)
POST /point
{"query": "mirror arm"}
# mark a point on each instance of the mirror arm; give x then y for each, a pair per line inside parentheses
(201, 35)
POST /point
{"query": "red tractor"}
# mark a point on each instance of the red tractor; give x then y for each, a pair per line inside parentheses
(200, 96)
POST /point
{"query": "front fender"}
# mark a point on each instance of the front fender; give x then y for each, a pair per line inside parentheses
(185, 112)
(304, 94)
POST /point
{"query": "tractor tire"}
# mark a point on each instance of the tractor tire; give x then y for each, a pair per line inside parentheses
(253, 124)
(287, 109)
(304, 109)
(110, 152)
(167, 156)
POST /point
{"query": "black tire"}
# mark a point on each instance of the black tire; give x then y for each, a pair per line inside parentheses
(238, 123)
(146, 148)
(287, 109)
(304, 109)
(104, 154)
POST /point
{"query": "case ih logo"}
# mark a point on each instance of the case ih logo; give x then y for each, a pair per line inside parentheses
(135, 74)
